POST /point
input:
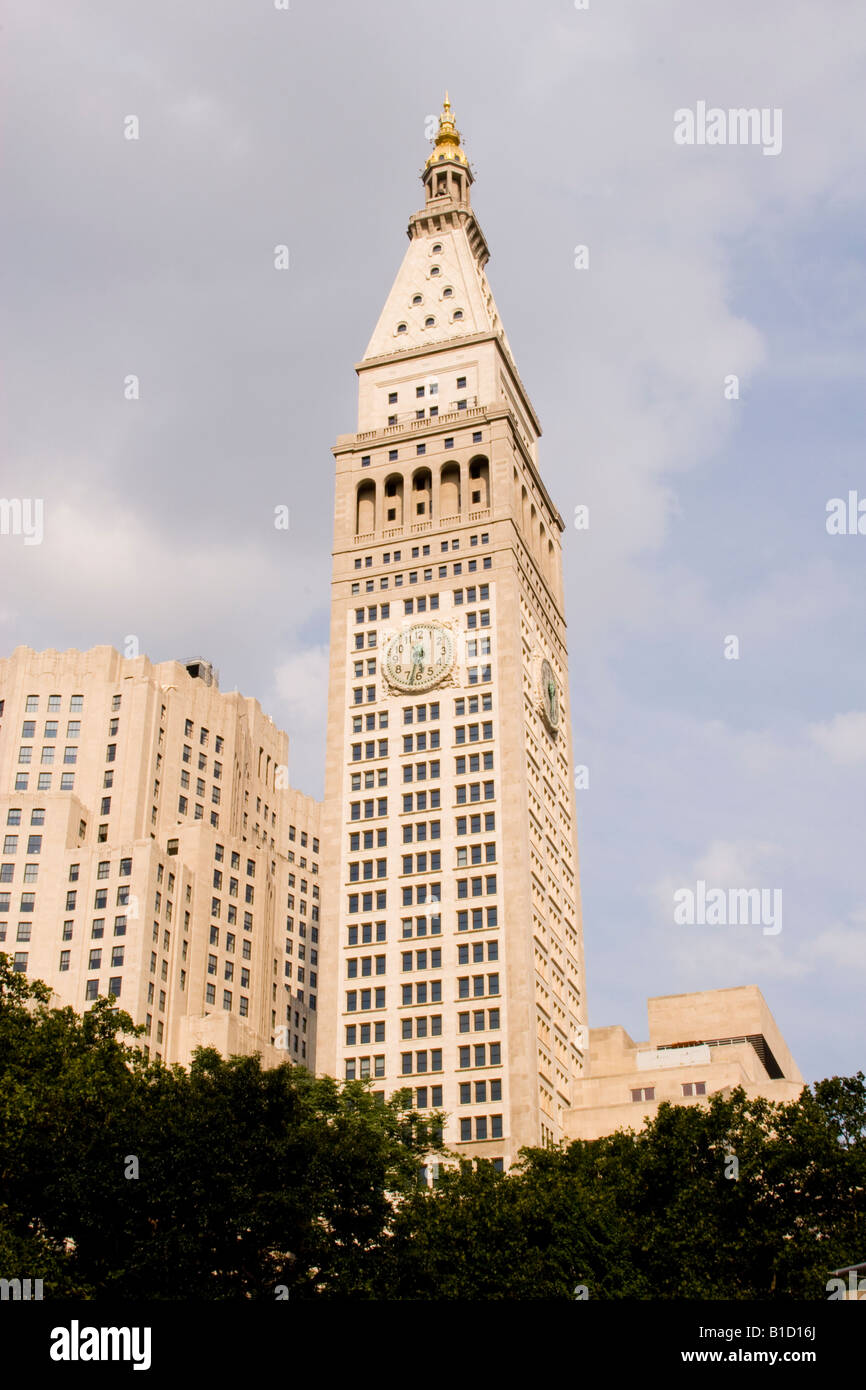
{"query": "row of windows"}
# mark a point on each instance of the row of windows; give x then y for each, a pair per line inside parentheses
(422, 863)
(422, 801)
(371, 749)
(479, 1092)
(417, 893)
(477, 1055)
(417, 1027)
(95, 957)
(417, 926)
(472, 705)
(70, 754)
(365, 1033)
(73, 728)
(302, 930)
(67, 782)
(419, 743)
(380, 805)
(472, 854)
(427, 574)
(479, 1021)
(475, 791)
(413, 1063)
(243, 1001)
(229, 972)
(76, 704)
(366, 930)
(472, 733)
(483, 1129)
(230, 943)
(421, 551)
(369, 722)
(367, 869)
(186, 756)
(384, 611)
(363, 902)
(34, 844)
(368, 839)
(476, 887)
(200, 787)
(421, 830)
(473, 762)
(418, 713)
(203, 736)
(422, 772)
(418, 960)
(422, 1102)
(183, 810)
(231, 913)
(472, 825)
(422, 992)
(365, 999)
(359, 1068)
(365, 965)
(689, 1088)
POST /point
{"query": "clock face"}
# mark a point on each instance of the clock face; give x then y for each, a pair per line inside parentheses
(419, 656)
(549, 696)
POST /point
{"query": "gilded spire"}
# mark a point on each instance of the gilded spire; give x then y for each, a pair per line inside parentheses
(447, 139)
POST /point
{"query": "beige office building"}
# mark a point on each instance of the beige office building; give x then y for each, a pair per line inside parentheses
(154, 850)
(699, 1045)
(455, 963)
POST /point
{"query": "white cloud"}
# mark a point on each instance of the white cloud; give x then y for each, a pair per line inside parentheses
(843, 739)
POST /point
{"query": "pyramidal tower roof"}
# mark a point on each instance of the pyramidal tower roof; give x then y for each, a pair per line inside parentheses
(442, 276)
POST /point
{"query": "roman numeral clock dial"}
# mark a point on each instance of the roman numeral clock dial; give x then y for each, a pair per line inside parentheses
(419, 656)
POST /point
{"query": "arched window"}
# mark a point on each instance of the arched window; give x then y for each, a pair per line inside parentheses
(394, 500)
(479, 482)
(429, 321)
(421, 494)
(401, 327)
(365, 509)
(458, 314)
(417, 298)
(449, 490)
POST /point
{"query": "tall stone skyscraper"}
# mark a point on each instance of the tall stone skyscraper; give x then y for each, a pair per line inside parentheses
(454, 963)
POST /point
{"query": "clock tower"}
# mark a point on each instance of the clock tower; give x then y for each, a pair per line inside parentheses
(453, 962)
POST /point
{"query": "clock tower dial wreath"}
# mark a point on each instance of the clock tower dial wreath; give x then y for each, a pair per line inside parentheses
(418, 657)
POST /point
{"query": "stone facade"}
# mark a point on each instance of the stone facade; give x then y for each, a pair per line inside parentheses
(153, 850)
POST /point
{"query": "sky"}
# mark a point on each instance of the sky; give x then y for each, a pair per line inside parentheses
(698, 371)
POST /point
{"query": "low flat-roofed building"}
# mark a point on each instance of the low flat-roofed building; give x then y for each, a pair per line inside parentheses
(699, 1045)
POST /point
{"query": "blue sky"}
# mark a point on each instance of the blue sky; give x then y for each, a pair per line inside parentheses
(707, 516)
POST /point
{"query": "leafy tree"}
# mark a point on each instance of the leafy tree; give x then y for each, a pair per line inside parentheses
(742, 1199)
(122, 1177)
(128, 1178)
